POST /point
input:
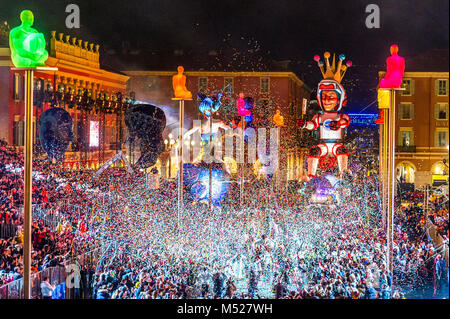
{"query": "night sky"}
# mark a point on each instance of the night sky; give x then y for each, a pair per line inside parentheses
(280, 30)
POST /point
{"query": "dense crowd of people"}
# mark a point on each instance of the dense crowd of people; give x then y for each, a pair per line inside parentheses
(50, 246)
(277, 246)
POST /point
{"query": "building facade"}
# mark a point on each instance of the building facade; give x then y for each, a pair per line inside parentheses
(93, 97)
(270, 91)
(422, 128)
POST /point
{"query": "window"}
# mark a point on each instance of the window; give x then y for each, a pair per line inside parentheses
(17, 86)
(441, 137)
(441, 111)
(264, 85)
(408, 84)
(406, 111)
(202, 84)
(228, 85)
(18, 131)
(442, 87)
(94, 133)
(405, 137)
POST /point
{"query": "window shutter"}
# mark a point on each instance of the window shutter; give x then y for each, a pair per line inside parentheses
(446, 87)
(446, 111)
(436, 111)
(411, 138)
(436, 138)
(22, 89)
(400, 111)
(14, 87)
(400, 138)
(436, 87)
(411, 87)
(412, 111)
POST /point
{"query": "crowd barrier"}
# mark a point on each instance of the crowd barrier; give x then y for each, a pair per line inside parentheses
(438, 242)
(56, 275)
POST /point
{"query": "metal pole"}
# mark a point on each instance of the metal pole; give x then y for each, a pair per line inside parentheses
(210, 164)
(385, 170)
(387, 183)
(180, 160)
(391, 206)
(170, 162)
(241, 191)
(380, 173)
(28, 183)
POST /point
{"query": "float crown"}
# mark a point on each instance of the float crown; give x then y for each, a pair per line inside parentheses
(332, 72)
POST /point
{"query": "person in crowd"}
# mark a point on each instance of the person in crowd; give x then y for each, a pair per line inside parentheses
(47, 288)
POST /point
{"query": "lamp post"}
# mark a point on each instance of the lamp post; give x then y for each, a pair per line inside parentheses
(387, 102)
(210, 164)
(28, 172)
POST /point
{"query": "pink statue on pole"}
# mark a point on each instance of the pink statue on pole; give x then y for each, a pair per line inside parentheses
(395, 70)
(240, 104)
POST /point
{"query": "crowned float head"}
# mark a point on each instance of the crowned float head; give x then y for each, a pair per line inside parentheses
(332, 77)
(332, 72)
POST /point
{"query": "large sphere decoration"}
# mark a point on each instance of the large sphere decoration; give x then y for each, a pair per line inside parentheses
(196, 176)
(55, 132)
(146, 123)
(190, 174)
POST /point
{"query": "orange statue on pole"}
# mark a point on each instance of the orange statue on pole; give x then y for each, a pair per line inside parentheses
(179, 85)
(278, 119)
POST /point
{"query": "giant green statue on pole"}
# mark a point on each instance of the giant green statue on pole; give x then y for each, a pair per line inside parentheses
(27, 44)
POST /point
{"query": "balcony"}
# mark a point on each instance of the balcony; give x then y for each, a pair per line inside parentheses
(406, 149)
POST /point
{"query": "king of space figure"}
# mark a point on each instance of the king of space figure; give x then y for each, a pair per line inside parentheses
(331, 97)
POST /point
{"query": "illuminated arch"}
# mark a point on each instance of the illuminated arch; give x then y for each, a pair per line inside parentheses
(405, 171)
(439, 168)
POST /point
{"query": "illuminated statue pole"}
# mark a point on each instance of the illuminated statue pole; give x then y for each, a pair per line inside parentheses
(241, 171)
(242, 112)
(181, 95)
(278, 120)
(210, 164)
(388, 87)
(28, 54)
